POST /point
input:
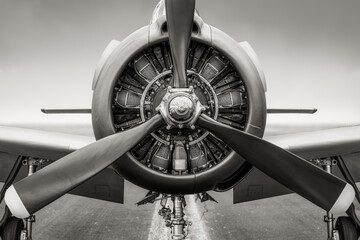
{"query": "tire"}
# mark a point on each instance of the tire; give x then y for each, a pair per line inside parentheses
(12, 229)
(347, 229)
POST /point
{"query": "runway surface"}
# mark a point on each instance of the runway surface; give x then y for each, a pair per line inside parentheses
(287, 217)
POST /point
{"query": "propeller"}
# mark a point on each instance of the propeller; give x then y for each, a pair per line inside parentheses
(323, 189)
(180, 17)
(36, 191)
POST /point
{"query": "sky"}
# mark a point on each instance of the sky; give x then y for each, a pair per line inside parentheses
(309, 51)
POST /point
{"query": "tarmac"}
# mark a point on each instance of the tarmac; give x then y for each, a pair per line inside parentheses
(287, 217)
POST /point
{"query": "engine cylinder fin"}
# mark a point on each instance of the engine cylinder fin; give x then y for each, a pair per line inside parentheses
(215, 151)
(136, 77)
(229, 87)
(210, 151)
(125, 111)
(150, 153)
(160, 160)
(144, 67)
(127, 99)
(221, 76)
(190, 59)
(121, 118)
(198, 160)
(236, 118)
(128, 124)
(214, 66)
(159, 55)
(167, 57)
(231, 99)
(230, 122)
(232, 110)
(198, 52)
(225, 78)
(154, 60)
(130, 80)
(201, 63)
(143, 147)
(218, 143)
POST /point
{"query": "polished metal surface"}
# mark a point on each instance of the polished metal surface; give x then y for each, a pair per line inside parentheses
(181, 108)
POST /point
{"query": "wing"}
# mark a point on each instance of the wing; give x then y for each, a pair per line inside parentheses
(343, 142)
(106, 185)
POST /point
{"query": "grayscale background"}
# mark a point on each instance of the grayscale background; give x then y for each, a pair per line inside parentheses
(49, 50)
(309, 50)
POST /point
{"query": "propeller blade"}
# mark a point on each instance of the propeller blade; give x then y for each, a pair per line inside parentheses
(38, 190)
(180, 17)
(323, 189)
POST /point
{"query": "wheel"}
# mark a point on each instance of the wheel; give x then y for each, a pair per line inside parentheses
(346, 228)
(12, 229)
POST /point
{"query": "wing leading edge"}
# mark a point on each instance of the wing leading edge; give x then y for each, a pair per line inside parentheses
(40, 144)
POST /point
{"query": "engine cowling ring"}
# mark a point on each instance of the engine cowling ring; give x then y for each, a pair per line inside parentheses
(103, 122)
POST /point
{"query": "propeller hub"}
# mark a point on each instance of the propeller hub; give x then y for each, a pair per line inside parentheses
(181, 108)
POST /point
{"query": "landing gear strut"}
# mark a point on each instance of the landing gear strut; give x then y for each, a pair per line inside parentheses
(329, 218)
(32, 165)
(175, 219)
(346, 228)
(177, 223)
(12, 228)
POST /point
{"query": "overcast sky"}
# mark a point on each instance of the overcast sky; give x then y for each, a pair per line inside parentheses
(309, 50)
